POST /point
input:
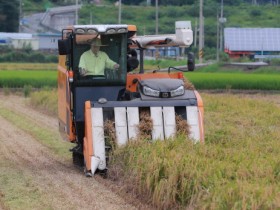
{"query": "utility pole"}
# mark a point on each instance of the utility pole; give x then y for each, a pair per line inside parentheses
(19, 16)
(217, 46)
(195, 33)
(156, 51)
(200, 31)
(120, 11)
(156, 16)
(222, 21)
(76, 13)
(90, 18)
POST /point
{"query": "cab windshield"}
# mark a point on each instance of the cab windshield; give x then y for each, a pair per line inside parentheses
(115, 46)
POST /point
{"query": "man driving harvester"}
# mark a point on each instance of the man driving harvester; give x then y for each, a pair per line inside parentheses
(93, 62)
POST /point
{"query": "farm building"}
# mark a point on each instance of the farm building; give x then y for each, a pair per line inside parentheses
(19, 40)
(48, 41)
(35, 41)
(252, 42)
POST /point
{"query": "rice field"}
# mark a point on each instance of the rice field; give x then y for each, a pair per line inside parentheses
(28, 66)
(242, 81)
(21, 78)
(37, 75)
(238, 167)
(201, 80)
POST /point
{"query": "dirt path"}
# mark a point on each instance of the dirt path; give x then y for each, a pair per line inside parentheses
(63, 186)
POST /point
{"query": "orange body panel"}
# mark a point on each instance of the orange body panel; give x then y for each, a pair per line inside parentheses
(64, 100)
(61, 89)
(132, 28)
(88, 149)
(131, 86)
(200, 115)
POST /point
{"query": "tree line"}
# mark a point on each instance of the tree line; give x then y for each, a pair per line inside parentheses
(190, 2)
(9, 15)
(9, 10)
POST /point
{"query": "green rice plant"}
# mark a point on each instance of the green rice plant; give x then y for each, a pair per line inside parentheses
(242, 81)
(37, 79)
(236, 168)
(220, 67)
(202, 80)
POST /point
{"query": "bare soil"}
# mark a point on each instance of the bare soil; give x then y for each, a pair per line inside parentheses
(63, 185)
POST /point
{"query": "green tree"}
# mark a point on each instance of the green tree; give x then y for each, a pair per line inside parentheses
(9, 15)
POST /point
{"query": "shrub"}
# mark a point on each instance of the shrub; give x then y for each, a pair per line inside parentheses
(224, 57)
(36, 57)
(275, 62)
(256, 13)
(26, 56)
(6, 91)
(51, 59)
(27, 90)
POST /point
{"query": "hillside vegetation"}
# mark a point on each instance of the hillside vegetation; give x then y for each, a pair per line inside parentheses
(238, 13)
(244, 15)
(241, 13)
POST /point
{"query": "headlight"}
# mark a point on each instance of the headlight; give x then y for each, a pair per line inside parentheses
(111, 31)
(122, 30)
(177, 92)
(80, 31)
(150, 92)
(92, 31)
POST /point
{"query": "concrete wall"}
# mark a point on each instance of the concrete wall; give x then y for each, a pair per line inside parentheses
(48, 42)
(21, 43)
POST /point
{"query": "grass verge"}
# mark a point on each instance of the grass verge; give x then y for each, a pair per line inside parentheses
(18, 190)
(50, 139)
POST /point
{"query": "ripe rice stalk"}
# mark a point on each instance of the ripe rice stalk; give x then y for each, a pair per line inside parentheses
(45, 100)
(110, 133)
(182, 126)
(188, 85)
(145, 124)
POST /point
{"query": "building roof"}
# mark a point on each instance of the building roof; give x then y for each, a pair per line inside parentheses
(252, 39)
(15, 35)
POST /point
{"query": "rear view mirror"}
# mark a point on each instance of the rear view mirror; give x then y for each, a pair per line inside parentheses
(191, 61)
(64, 46)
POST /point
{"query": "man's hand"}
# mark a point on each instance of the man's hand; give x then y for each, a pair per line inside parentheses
(83, 71)
(116, 66)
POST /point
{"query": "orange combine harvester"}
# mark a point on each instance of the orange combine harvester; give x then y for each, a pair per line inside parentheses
(120, 95)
